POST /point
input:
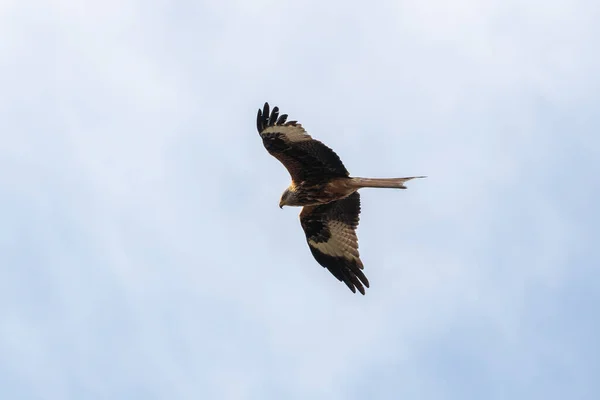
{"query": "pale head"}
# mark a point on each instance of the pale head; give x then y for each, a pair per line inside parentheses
(288, 198)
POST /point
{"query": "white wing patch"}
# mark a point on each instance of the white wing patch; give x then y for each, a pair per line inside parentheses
(293, 133)
(342, 243)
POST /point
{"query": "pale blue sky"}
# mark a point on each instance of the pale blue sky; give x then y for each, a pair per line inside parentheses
(142, 252)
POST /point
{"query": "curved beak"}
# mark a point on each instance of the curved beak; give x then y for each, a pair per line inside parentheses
(280, 204)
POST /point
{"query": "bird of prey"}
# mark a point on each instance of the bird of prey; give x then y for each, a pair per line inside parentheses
(326, 191)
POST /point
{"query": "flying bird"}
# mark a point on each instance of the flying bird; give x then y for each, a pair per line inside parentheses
(328, 195)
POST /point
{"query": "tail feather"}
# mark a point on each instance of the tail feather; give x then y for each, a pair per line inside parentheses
(394, 183)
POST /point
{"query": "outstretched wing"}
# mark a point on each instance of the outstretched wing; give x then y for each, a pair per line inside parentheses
(305, 158)
(331, 235)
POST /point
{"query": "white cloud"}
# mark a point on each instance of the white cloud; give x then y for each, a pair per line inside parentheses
(145, 252)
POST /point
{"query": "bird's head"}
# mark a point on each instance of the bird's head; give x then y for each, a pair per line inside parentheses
(287, 198)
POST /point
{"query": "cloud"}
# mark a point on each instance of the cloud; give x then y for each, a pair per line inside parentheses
(142, 250)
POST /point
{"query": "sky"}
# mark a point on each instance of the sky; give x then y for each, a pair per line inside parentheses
(142, 251)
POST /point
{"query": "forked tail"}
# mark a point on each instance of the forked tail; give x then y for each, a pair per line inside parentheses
(393, 183)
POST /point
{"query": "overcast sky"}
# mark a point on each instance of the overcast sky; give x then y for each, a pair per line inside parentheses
(142, 251)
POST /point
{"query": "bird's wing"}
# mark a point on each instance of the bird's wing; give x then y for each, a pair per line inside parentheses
(305, 158)
(331, 235)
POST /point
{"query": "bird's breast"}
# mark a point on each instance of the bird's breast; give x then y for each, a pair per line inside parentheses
(310, 193)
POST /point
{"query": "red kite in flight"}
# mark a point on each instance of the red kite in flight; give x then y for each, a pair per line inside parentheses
(326, 191)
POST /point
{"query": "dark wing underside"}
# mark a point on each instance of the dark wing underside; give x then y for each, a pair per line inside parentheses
(305, 158)
(331, 235)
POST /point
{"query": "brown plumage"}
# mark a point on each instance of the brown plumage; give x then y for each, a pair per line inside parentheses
(326, 191)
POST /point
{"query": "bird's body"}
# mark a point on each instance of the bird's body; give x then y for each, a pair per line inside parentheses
(308, 193)
(328, 194)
